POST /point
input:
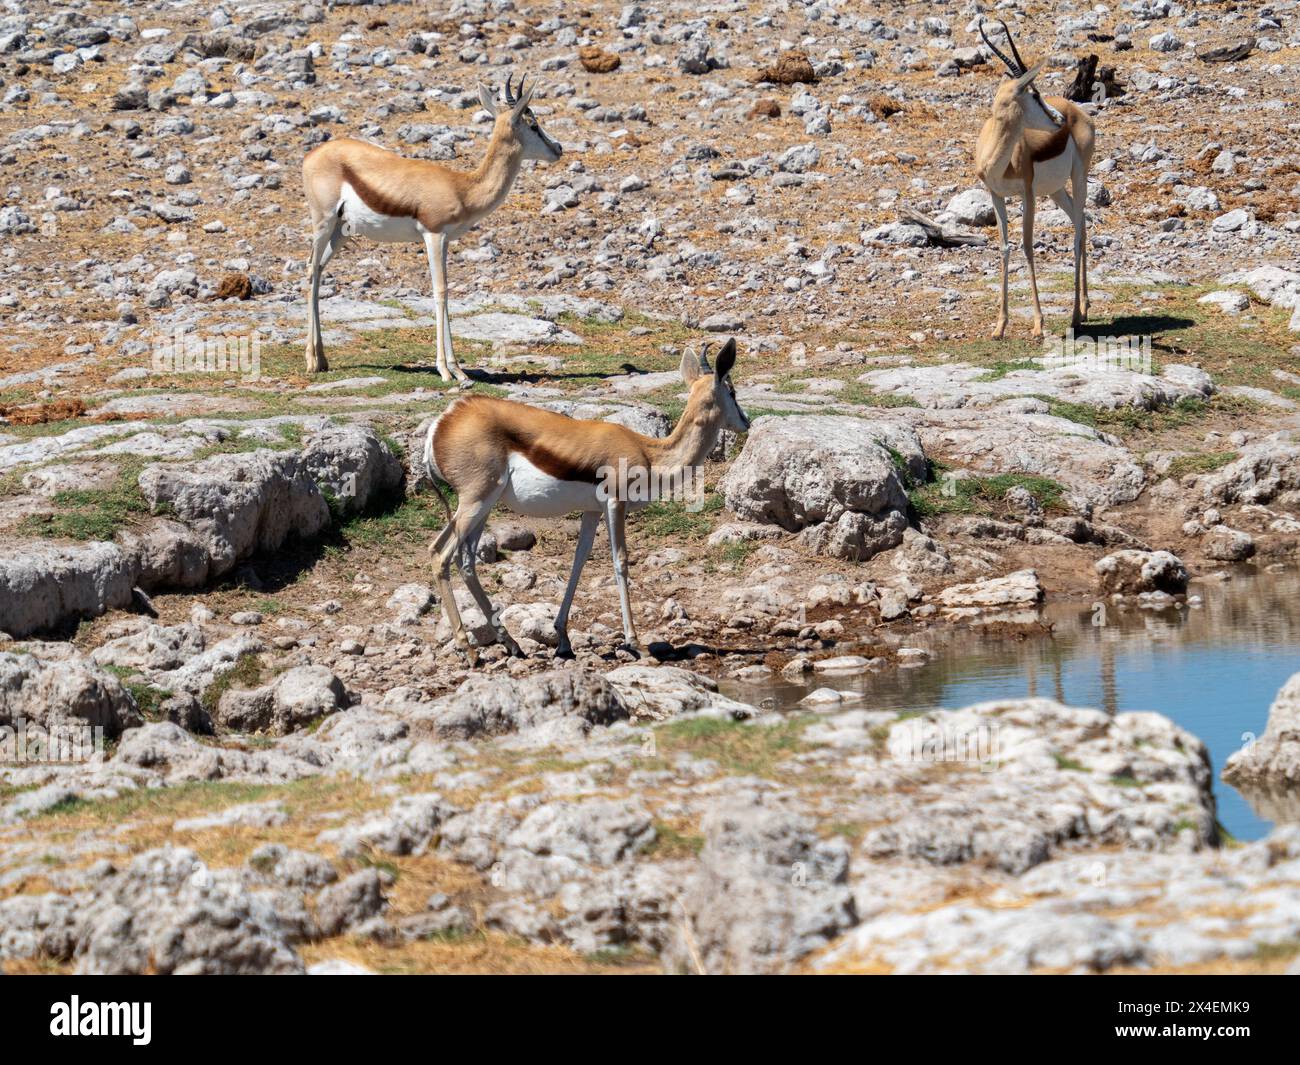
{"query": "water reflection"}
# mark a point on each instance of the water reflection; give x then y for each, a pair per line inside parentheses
(1214, 669)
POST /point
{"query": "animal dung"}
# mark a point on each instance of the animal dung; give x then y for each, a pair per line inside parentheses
(234, 287)
(790, 69)
(596, 60)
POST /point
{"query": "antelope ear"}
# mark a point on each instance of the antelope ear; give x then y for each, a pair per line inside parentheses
(726, 359)
(690, 368)
(1023, 81)
(525, 98)
(486, 98)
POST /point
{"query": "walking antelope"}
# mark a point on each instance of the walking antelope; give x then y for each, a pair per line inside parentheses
(543, 464)
(359, 189)
(1031, 147)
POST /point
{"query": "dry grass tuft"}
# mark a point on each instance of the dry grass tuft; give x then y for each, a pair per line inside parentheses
(883, 106)
(60, 410)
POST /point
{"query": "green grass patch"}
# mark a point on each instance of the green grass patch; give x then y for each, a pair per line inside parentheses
(674, 518)
(984, 496)
(670, 843)
(1002, 367)
(735, 553)
(736, 746)
(144, 802)
(619, 956)
(858, 394)
(1283, 950)
(148, 699)
(413, 521)
(1130, 419)
(93, 513)
(247, 673)
(1200, 462)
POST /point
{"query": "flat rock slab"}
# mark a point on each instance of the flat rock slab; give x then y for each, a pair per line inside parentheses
(173, 404)
(956, 385)
(347, 384)
(501, 328)
(41, 449)
(156, 441)
(403, 399)
(1263, 396)
(1021, 588)
(644, 382)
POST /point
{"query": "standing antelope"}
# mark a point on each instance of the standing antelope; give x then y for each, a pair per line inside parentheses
(359, 189)
(1030, 147)
(544, 464)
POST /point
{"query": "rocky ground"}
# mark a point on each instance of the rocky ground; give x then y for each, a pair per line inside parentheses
(221, 563)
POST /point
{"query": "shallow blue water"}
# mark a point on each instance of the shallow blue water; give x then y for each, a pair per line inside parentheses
(1214, 669)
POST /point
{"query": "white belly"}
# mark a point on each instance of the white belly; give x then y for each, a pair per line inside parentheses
(535, 493)
(360, 221)
(1052, 174)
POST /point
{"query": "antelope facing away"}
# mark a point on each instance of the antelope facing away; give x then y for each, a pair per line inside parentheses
(359, 189)
(1031, 147)
(543, 464)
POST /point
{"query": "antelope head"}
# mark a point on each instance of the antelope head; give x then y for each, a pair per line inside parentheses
(1023, 83)
(514, 116)
(712, 395)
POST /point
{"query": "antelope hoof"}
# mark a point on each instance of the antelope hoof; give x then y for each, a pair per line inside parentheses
(999, 330)
(1037, 331)
(631, 647)
(316, 362)
(511, 647)
(564, 651)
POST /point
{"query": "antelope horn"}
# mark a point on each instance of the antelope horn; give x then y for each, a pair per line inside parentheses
(1014, 50)
(509, 98)
(994, 49)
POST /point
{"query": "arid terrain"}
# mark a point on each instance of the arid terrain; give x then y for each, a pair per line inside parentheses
(219, 560)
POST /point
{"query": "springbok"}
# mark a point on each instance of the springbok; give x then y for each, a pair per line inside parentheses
(359, 189)
(1031, 147)
(543, 464)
